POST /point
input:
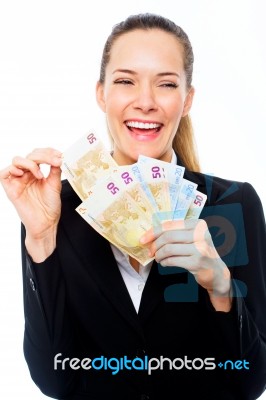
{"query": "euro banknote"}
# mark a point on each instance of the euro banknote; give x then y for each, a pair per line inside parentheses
(154, 175)
(130, 183)
(111, 210)
(185, 198)
(173, 175)
(196, 205)
(85, 162)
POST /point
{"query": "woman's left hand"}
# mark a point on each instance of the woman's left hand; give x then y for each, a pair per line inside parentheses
(188, 244)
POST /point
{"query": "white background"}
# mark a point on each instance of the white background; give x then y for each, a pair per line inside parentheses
(50, 53)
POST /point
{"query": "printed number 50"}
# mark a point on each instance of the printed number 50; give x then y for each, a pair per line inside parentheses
(91, 138)
(156, 172)
(198, 200)
(113, 189)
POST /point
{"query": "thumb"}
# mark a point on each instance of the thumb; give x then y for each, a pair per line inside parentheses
(54, 176)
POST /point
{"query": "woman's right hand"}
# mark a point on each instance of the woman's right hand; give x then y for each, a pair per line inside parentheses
(36, 198)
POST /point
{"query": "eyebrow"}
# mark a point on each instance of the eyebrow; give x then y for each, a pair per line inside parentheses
(129, 71)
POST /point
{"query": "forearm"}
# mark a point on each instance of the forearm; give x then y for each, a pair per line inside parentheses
(221, 303)
(48, 328)
(221, 296)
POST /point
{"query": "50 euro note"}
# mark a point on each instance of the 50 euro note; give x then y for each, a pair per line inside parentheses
(154, 176)
(129, 182)
(196, 205)
(185, 198)
(174, 175)
(113, 213)
(85, 162)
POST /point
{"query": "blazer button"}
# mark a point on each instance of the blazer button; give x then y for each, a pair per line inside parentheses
(140, 353)
(32, 284)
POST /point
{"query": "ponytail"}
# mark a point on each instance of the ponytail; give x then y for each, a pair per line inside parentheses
(184, 145)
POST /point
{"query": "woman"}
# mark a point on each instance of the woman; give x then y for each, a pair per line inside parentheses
(97, 324)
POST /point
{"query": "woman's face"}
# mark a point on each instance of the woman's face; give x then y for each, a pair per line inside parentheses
(144, 94)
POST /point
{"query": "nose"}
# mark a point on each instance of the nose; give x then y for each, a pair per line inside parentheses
(145, 99)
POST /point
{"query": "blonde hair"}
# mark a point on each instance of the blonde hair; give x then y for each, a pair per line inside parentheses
(183, 142)
(184, 145)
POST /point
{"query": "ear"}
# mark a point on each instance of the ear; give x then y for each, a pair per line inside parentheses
(188, 101)
(100, 96)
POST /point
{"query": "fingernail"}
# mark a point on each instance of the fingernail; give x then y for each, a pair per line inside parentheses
(143, 240)
(57, 160)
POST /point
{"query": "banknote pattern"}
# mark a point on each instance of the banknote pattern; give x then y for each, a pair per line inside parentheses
(117, 216)
(122, 202)
(129, 181)
(85, 162)
(154, 175)
(186, 196)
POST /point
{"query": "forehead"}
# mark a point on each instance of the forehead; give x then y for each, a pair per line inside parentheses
(150, 46)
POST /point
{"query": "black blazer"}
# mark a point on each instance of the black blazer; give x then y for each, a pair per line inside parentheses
(76, 303)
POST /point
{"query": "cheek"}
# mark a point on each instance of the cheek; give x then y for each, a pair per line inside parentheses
(175, 108)
(114, 105)
(172, 106)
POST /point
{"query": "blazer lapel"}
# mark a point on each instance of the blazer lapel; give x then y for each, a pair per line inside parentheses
(152, 293)
(97, 257)
(162, 277)
(111, 283)
(159, 280)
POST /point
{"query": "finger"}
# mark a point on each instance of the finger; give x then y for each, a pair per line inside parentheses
(177, 236)
(14, 171)
(179, 224)
(178, 261)
(174, 250)
(10, 171)
(171, 237)
(157, 230)
(189, 231)
(24, 164)
(5, 173)
(54, 176)
(46, 156)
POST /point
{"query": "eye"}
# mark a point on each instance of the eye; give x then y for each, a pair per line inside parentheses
(170, 85)
(123, 82)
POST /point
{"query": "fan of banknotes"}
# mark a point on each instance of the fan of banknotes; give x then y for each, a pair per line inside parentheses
(122, 202)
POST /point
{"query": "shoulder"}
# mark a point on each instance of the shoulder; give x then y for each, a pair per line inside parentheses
(221, 190)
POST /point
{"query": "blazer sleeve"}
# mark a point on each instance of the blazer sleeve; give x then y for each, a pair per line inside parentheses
(252, 306)
(244, 327)
(48, 328)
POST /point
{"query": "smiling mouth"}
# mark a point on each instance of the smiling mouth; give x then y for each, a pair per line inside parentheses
(143, 128)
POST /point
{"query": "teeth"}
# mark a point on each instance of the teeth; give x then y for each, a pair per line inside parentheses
(142, 125)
